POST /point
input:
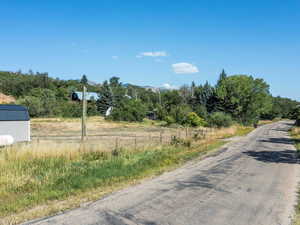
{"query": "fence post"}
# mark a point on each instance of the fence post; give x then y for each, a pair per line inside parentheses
(186, 132)
(135, 144)
(84, 110)
(160, 137)
(117, 143)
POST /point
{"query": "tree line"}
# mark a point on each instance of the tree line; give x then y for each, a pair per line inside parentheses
(237, 98)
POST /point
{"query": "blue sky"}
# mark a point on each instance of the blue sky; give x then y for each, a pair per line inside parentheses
(154, 42)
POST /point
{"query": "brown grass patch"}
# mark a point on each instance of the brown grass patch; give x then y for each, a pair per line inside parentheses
(6, 99)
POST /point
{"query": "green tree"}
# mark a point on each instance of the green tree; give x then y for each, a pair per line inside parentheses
(129, 110)
(70, 109)
(244, 97)
(34, 105)
(105, 98)
(170, 99)
(84, 80)
(179, 113)
(222, 77)
(48, 101)
(220, 119)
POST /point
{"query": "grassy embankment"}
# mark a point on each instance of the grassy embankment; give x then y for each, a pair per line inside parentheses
(265, 122)
(295, 133)
(36, 182)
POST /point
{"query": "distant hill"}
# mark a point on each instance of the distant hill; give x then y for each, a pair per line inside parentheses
(19, 84)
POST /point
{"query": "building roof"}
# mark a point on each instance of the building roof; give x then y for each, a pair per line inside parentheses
(89, 95)
(13, 113)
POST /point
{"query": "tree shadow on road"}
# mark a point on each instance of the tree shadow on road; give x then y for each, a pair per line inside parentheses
(283, 129)
(288, 141)
(284, 156)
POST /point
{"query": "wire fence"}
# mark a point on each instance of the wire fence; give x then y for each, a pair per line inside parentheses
(126, 138)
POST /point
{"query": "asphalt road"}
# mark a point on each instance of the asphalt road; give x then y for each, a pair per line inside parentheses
(251, 182)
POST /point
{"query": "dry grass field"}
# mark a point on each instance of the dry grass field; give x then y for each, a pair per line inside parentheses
(108, 135)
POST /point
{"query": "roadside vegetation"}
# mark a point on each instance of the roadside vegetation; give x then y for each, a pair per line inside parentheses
(295, 134)
(62, 176)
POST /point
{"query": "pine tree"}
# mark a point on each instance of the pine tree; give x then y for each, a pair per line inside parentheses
(105, 98)
(193, 89)
(222, 77)
(84, 80)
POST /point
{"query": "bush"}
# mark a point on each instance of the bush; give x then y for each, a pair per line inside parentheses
(129, 110)
(180, 142)
(34, 105)
(201, 111)
(161, 112)
(220, 119)
(70, 109)
(170, 120)
(194, 120)
(296, 115)
(179, 113)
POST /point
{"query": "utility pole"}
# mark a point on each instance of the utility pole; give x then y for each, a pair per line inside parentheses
(159, 97)
(83, 119)
(135, 93)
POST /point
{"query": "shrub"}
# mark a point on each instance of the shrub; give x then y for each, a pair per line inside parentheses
(170, 120)
(179, 113)
(194, 120)
(201, 111)
(220, 119)
(129, 110)
(296, 116)
(70, 109)
(180, 142)
(161, 113)
(34, 105)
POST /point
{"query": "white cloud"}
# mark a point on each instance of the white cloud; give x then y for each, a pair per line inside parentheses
(152, 54)
(115, 57)
(184, 68)
(169, 86)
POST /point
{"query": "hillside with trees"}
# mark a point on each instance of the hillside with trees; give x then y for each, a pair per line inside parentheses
(240, 98)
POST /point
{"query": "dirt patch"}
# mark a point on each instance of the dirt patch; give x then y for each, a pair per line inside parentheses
(5, 99)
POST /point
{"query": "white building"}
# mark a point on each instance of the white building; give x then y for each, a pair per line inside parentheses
(15, 122)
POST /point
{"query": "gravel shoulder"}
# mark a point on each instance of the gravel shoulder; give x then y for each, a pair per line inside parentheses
(253, 180)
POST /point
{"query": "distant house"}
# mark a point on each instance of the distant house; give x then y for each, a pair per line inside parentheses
(151, 115)
(90, 96)
(15, 122)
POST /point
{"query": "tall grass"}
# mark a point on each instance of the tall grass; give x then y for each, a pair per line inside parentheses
(35, 174)
(295, 133)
